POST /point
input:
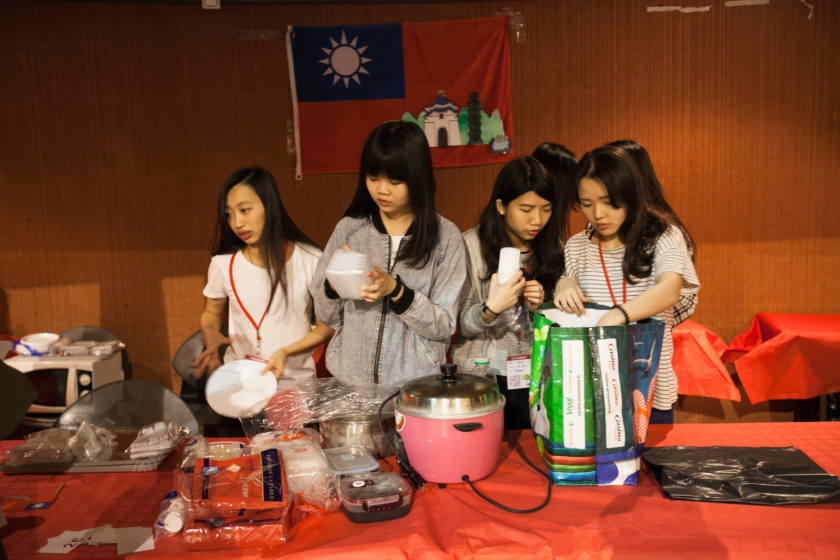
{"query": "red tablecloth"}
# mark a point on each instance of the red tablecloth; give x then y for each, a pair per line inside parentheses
(697, 363)
(788, 356)
(452, 523)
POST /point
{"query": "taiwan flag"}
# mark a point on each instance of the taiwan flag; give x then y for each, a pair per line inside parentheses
(450, 78)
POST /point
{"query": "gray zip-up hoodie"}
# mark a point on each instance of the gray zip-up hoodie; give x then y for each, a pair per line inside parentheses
(417, 329)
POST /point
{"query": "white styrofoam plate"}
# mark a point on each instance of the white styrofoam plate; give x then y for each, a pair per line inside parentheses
(237, 389)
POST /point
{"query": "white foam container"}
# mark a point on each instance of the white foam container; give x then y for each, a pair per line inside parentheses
(347, 273)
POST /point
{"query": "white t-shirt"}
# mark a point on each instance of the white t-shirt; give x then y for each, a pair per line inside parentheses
(286, 322)
(395, 247)
(583, 265)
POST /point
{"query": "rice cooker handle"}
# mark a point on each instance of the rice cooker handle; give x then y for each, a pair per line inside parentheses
(383, 507)
(468, 427)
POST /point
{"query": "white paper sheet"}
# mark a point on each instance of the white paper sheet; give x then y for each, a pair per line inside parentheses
(570, 320)
(134, 539)
(652, 9)
(68, 540)
(103, 535)
(737, 3)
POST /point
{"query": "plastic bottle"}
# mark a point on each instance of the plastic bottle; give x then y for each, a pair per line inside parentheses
(172, 517)
(482, 368)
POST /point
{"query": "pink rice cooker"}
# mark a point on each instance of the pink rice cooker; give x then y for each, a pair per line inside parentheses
(451, 425)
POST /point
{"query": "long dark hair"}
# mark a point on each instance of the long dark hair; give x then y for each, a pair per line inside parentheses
(617, 171)
(516, 178)
(399, 150)
(560, 162)
(278, 227)
(656, 196)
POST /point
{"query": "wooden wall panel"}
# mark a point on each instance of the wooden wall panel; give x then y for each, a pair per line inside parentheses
(121, 121)
(181, 307)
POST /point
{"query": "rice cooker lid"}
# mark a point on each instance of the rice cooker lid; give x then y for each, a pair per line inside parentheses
(450, 395)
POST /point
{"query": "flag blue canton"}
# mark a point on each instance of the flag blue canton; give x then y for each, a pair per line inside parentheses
(348, 63)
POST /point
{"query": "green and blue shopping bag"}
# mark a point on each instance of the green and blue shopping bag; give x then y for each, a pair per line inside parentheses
(591, 395)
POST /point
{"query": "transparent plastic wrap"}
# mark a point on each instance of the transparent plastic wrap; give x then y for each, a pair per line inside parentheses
(251, 482)
(78, 348)
(249, 530)
(92, 443)
(157, 440)
(172, 516)
(58, 347)
(105, 350)
(195, 450)
(46, 447)
(307, 471)
(316, 400)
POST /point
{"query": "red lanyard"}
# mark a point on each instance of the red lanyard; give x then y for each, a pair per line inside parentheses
(607, 278)
(239, 301)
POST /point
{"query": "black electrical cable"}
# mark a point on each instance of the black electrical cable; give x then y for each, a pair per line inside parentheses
(382, 428)
(466, 478)
(413, 475)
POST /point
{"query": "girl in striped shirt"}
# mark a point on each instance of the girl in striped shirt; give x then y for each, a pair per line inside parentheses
(635, 258)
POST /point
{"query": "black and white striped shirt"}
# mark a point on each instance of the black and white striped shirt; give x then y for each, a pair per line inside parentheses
(583, 265)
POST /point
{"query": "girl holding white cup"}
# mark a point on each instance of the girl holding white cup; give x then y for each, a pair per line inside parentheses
(518, 230)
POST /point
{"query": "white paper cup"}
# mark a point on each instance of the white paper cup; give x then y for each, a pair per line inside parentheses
(508, 263)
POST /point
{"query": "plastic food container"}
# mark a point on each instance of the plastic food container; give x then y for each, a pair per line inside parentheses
(347, 461)
(347, 273)
(373, 497)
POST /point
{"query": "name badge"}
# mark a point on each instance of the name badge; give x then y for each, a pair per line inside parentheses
(518, 372)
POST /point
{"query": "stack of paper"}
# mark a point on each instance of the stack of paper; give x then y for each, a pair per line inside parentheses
(127, 539)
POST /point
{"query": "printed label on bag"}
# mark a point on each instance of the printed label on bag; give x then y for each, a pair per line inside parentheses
(518, 372)
(613, 420)
(271, 476)
(574, 416)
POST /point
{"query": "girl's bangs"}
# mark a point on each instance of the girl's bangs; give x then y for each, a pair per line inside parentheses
(546, 190)
(384, 160)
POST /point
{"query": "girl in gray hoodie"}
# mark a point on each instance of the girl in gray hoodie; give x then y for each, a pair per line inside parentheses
(402, 325)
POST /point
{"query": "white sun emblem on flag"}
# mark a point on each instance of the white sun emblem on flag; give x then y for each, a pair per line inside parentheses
(345, 61)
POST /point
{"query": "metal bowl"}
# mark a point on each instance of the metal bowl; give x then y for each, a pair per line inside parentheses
(360, 430)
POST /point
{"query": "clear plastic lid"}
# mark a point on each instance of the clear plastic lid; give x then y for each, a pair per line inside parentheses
(373, 488)
(351, 460)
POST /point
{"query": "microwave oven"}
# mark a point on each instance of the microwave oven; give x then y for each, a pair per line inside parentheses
(62, 380)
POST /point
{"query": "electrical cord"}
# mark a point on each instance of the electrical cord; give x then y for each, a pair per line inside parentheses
(466, 478)
(413, 475)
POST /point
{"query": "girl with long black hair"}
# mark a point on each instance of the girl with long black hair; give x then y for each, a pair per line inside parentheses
(401, 326)
(560, 163)
(261, 268)
(634, 259)
(656, 198)
(522, 213)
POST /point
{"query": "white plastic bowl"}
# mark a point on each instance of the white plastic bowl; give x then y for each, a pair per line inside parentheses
(347, 273)
(39, 344)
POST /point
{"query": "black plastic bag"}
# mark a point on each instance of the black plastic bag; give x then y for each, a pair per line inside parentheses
(741, 475)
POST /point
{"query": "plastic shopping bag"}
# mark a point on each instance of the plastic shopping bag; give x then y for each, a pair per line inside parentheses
(590, 395)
